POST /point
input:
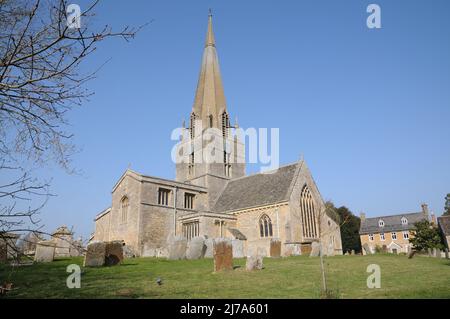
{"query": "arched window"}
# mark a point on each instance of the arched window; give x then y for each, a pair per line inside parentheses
(265, 226)
(308, 213)
(404, 221)
(124, 203)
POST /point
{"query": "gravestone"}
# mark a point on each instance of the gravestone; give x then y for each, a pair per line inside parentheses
(128, 252)
(177, 248)
(209, 250)
(196, 248)
(352, 252)
(238, 248)
(436, 252)
(275, 248)
(95, 255)
(45, 251)
(430, 253)
(367, 249)
(223, 254)
(315, 249)
(113, 253)
(446, 253)
(254, 263)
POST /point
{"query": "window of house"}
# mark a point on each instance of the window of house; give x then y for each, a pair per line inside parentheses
(189, 201)
(404, 221)
(265, 226)
(405, 235)
(124, 203)
(371, 237)
(394, 236)
(382, 236)
(191, 230)
(163, 196)
(381, 223)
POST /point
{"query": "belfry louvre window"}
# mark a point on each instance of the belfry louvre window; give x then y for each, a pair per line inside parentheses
(308, 213)
(189, 201)
(191, 230)
(265, 226)
(163, 196)
(124, 204)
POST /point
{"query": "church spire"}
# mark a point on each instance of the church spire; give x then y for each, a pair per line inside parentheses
(209, 102)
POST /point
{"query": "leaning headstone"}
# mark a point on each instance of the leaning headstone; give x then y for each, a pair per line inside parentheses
(254, 263)
(275, 248)
(367, 249)
(95, 254)
(113, 253)
(223, 254)
(238, 248)
(209, 248)
(177, 248)
(196, 248)
(45, 251)
(315, 249)
(411, 253)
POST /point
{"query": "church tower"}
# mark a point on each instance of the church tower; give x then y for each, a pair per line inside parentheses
(210, 153)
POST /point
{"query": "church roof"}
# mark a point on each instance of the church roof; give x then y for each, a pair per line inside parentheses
(256, 190)
(391, 223)
(444, 224)
(209, 96)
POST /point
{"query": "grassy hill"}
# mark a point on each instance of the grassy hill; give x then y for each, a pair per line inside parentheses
(293, 277)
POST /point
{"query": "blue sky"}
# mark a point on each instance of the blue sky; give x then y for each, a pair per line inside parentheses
(368, 109)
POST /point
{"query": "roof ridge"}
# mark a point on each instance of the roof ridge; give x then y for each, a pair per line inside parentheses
(378, 217)
(264, 173)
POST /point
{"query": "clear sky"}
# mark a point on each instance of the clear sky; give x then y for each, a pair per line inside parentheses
(369, 109)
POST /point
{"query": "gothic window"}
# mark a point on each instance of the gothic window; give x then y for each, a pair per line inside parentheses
(225, 124)
(192, 125)
(308, 213)
(191, 230)
(210, 118)
(163, 196)
(265, 226)
(189, 201)
(124, 203)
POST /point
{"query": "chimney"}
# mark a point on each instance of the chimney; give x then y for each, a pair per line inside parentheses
(425, 211)
(362, 216)
(433, 219)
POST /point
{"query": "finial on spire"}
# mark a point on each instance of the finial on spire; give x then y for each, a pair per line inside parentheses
(210, 34)
(210, 12)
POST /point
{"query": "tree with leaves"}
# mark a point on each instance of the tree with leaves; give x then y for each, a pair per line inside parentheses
(349, 230)
(40, 81)
(425, 236)
(447, 205)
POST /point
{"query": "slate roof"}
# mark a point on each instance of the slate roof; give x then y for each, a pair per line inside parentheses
(256, 190)
(444, 224)
(391, 223)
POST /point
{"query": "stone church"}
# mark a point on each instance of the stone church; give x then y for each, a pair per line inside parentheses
(217, 199)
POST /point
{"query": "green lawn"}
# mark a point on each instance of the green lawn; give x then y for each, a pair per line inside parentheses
(293, 277)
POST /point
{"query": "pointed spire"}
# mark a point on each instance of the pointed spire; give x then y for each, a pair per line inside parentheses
(210, 34)
(209, 97)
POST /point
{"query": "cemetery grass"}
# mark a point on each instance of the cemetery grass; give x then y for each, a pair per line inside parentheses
(292, 277)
